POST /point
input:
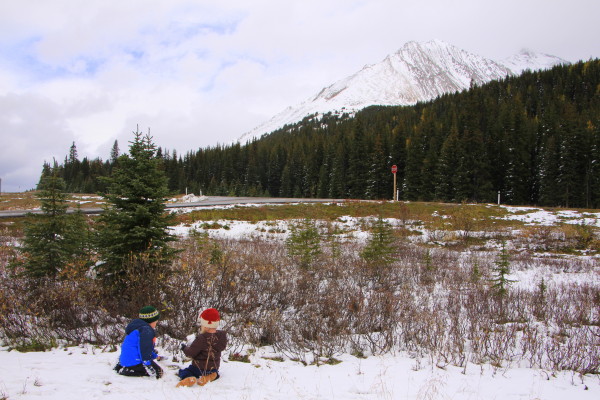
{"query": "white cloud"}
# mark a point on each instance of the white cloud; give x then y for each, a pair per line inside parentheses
(201, 72)
(33, 131)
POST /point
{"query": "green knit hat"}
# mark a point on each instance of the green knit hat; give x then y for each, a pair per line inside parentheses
(149, 314)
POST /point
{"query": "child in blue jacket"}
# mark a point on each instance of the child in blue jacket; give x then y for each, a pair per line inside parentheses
(137, 351)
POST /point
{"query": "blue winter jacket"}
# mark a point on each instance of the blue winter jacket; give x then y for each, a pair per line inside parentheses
(138, 346)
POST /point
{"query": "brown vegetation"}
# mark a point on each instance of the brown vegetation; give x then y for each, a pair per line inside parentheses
(434, 301)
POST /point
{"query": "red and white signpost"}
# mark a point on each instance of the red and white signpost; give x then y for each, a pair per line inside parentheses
(394, 170)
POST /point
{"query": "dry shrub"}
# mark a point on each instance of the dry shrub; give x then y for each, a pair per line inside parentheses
(541, 237)
(426, 302)
(464, 220)
(577, 237)
(403, 213)
(44, 310)
(564, 351)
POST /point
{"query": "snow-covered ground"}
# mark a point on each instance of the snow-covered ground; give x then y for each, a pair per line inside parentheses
(275, 230)
(86, 373)
(539, 216)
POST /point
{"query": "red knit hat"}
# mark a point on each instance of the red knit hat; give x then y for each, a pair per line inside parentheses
(209, 318)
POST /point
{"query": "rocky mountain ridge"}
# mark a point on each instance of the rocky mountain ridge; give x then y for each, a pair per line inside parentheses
(416, 72)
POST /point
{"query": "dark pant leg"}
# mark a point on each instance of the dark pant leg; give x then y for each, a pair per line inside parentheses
(191, 370)
(135, 370)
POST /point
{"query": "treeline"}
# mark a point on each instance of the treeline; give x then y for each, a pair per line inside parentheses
(82, 176)
(533, 138)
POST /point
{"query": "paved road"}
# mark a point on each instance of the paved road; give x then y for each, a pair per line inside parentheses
(209, 201)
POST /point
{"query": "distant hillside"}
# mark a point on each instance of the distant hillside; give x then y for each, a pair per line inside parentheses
(534, 138)
(417, 72)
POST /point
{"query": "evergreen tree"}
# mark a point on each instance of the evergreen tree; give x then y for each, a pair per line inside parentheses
(53, 239)
(304, 243)
(572, 168)
(549, 171)
(500, 272)
(358, 163)
(323, 184)
(274, 171)
(339, 168)
(471, 179)
(594, 166)
(380, 251)
(114, 152)
(447, 167)
(285, 190)
(379, 177)
(413, 181)
(133, 236)
(73, 153)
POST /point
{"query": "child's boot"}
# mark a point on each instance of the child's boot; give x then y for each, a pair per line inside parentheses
(204, 379)
(189, 381)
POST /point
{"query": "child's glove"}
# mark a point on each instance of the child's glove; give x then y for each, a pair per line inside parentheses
(153, 369)
(182, 346)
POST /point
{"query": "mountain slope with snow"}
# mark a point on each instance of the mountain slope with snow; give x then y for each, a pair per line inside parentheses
(416, 72)
(527, 59)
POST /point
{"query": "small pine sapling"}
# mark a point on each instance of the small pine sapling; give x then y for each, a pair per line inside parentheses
(501, 271)
(380, 251)
(304, 243)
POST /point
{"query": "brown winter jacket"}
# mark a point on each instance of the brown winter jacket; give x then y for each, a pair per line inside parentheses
(206, 350)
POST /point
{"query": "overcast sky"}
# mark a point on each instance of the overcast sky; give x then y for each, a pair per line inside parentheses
(197, 73)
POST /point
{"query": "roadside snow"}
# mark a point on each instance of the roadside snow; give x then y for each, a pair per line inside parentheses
(188, 198)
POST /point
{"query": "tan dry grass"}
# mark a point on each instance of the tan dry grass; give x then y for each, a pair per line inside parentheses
(29, 201)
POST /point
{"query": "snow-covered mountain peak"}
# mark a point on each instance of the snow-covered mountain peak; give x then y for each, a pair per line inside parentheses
(418, 71)
(528, 59)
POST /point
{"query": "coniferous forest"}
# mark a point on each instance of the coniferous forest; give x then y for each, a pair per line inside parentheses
(534, 138)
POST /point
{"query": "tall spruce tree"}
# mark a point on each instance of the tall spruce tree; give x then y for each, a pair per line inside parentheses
(378, 177)
(594, 167)
(53, 239)
(133, 237)
(358, 162)
(114, 152)
(447, 167)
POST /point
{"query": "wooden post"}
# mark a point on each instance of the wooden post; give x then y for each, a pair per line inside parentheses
(394, 170)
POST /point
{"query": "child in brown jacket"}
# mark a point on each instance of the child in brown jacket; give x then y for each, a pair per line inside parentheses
(205, 351)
